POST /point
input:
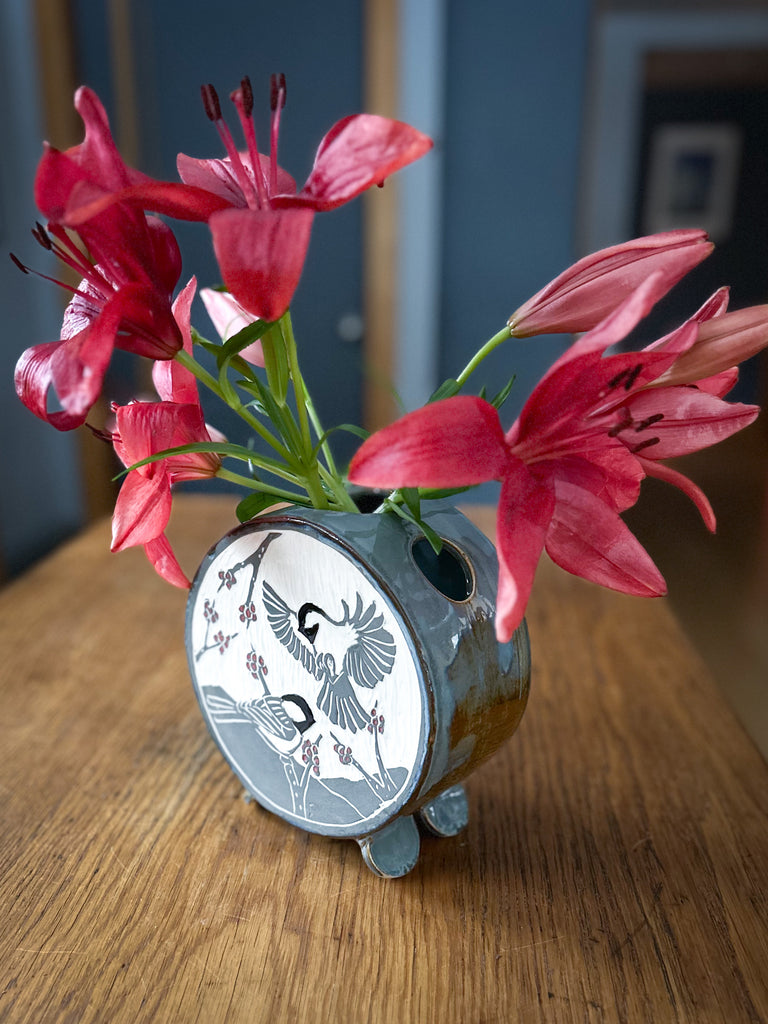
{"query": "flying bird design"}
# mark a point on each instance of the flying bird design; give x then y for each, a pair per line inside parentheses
(353, 649)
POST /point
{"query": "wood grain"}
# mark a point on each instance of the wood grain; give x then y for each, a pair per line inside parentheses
(615, 866)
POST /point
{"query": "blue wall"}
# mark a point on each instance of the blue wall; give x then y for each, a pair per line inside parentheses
(40, 498)
(515, 88)
(514, 81)
(179, 46)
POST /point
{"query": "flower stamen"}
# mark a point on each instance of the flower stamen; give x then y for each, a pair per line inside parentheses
(277, 98)
(243, 100)
(643, 444)
(649, 421)
(626, 378)
(213, 111)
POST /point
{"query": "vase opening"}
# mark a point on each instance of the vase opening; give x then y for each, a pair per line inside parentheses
(448, 572)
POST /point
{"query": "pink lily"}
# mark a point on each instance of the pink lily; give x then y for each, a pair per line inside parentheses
(89, 177)
(259, 222)
(143, 506)
(229, 318)
(579, 298)
(117, 234)
(573, 460)
(129, 265)
(123, 301)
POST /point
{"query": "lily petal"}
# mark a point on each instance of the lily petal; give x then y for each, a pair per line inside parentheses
(525, 510)
(170, 198)
(217, 176)
(146, 428)
(74, 367)
(261, 255)
(452, 443)
(161, 555)
(684, 419)
(679, 480)
(359, 151)
(142, 509)
(172, 381)
(229, 318)
(589, 539)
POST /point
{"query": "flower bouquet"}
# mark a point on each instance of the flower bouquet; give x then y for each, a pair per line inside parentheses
(600, 420)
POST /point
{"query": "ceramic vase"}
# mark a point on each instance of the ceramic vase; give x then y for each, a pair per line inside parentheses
(351, 677)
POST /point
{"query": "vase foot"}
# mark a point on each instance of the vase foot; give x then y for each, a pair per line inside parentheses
(393, 851)
(447, 814)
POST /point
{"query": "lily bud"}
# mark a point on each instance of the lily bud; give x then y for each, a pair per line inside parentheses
(584, 294)
(722, 343)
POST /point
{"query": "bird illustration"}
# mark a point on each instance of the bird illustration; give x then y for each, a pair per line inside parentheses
(353, 649)
(280, 730)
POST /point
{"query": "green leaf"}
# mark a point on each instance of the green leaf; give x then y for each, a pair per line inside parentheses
(222, 448)
(350, 428)
(434, 493)
(447, 389)
(435, 540)
(279, 416)
(411, 499)
(212, 347)
(254, 504)
(498, 400)
(276, 364)
(232, 346)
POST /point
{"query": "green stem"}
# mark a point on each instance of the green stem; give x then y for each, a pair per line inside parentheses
(303, 397)
(338, 490)
(481, 354)
(254, 485)
(325, 448)
(190, 363)
(299, 387)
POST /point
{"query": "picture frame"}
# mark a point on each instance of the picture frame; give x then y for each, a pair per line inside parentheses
(693, 177)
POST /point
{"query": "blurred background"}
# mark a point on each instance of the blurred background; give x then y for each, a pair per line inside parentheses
(559, 129)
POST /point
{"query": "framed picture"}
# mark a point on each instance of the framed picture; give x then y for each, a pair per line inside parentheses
(692, 178)
(615, 109)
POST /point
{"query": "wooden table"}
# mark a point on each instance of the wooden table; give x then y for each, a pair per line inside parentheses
(615, 867)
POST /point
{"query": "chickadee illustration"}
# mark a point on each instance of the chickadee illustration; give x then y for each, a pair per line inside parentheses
(353, 649)
(269, 715)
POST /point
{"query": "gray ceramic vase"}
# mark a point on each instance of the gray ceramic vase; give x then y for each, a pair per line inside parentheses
(352, 678)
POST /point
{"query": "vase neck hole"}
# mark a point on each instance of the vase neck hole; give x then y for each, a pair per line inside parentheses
(449, 572)
(368, 501)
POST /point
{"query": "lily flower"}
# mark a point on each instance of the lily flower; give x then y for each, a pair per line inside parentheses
(143, 506)
(572, 461)
(260, 224)
(123, 301)
(579, 298)
(129, 265)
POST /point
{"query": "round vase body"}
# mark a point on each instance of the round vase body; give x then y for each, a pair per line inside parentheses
(350, 677)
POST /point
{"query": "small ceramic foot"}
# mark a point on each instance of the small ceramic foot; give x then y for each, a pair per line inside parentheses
(394, 850)
(447, 814)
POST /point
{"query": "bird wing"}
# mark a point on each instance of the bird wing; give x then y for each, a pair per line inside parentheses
(266, 713)
(270, 717)
(337, 700)
(223, 709)
(372, 655)
(283, 622)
